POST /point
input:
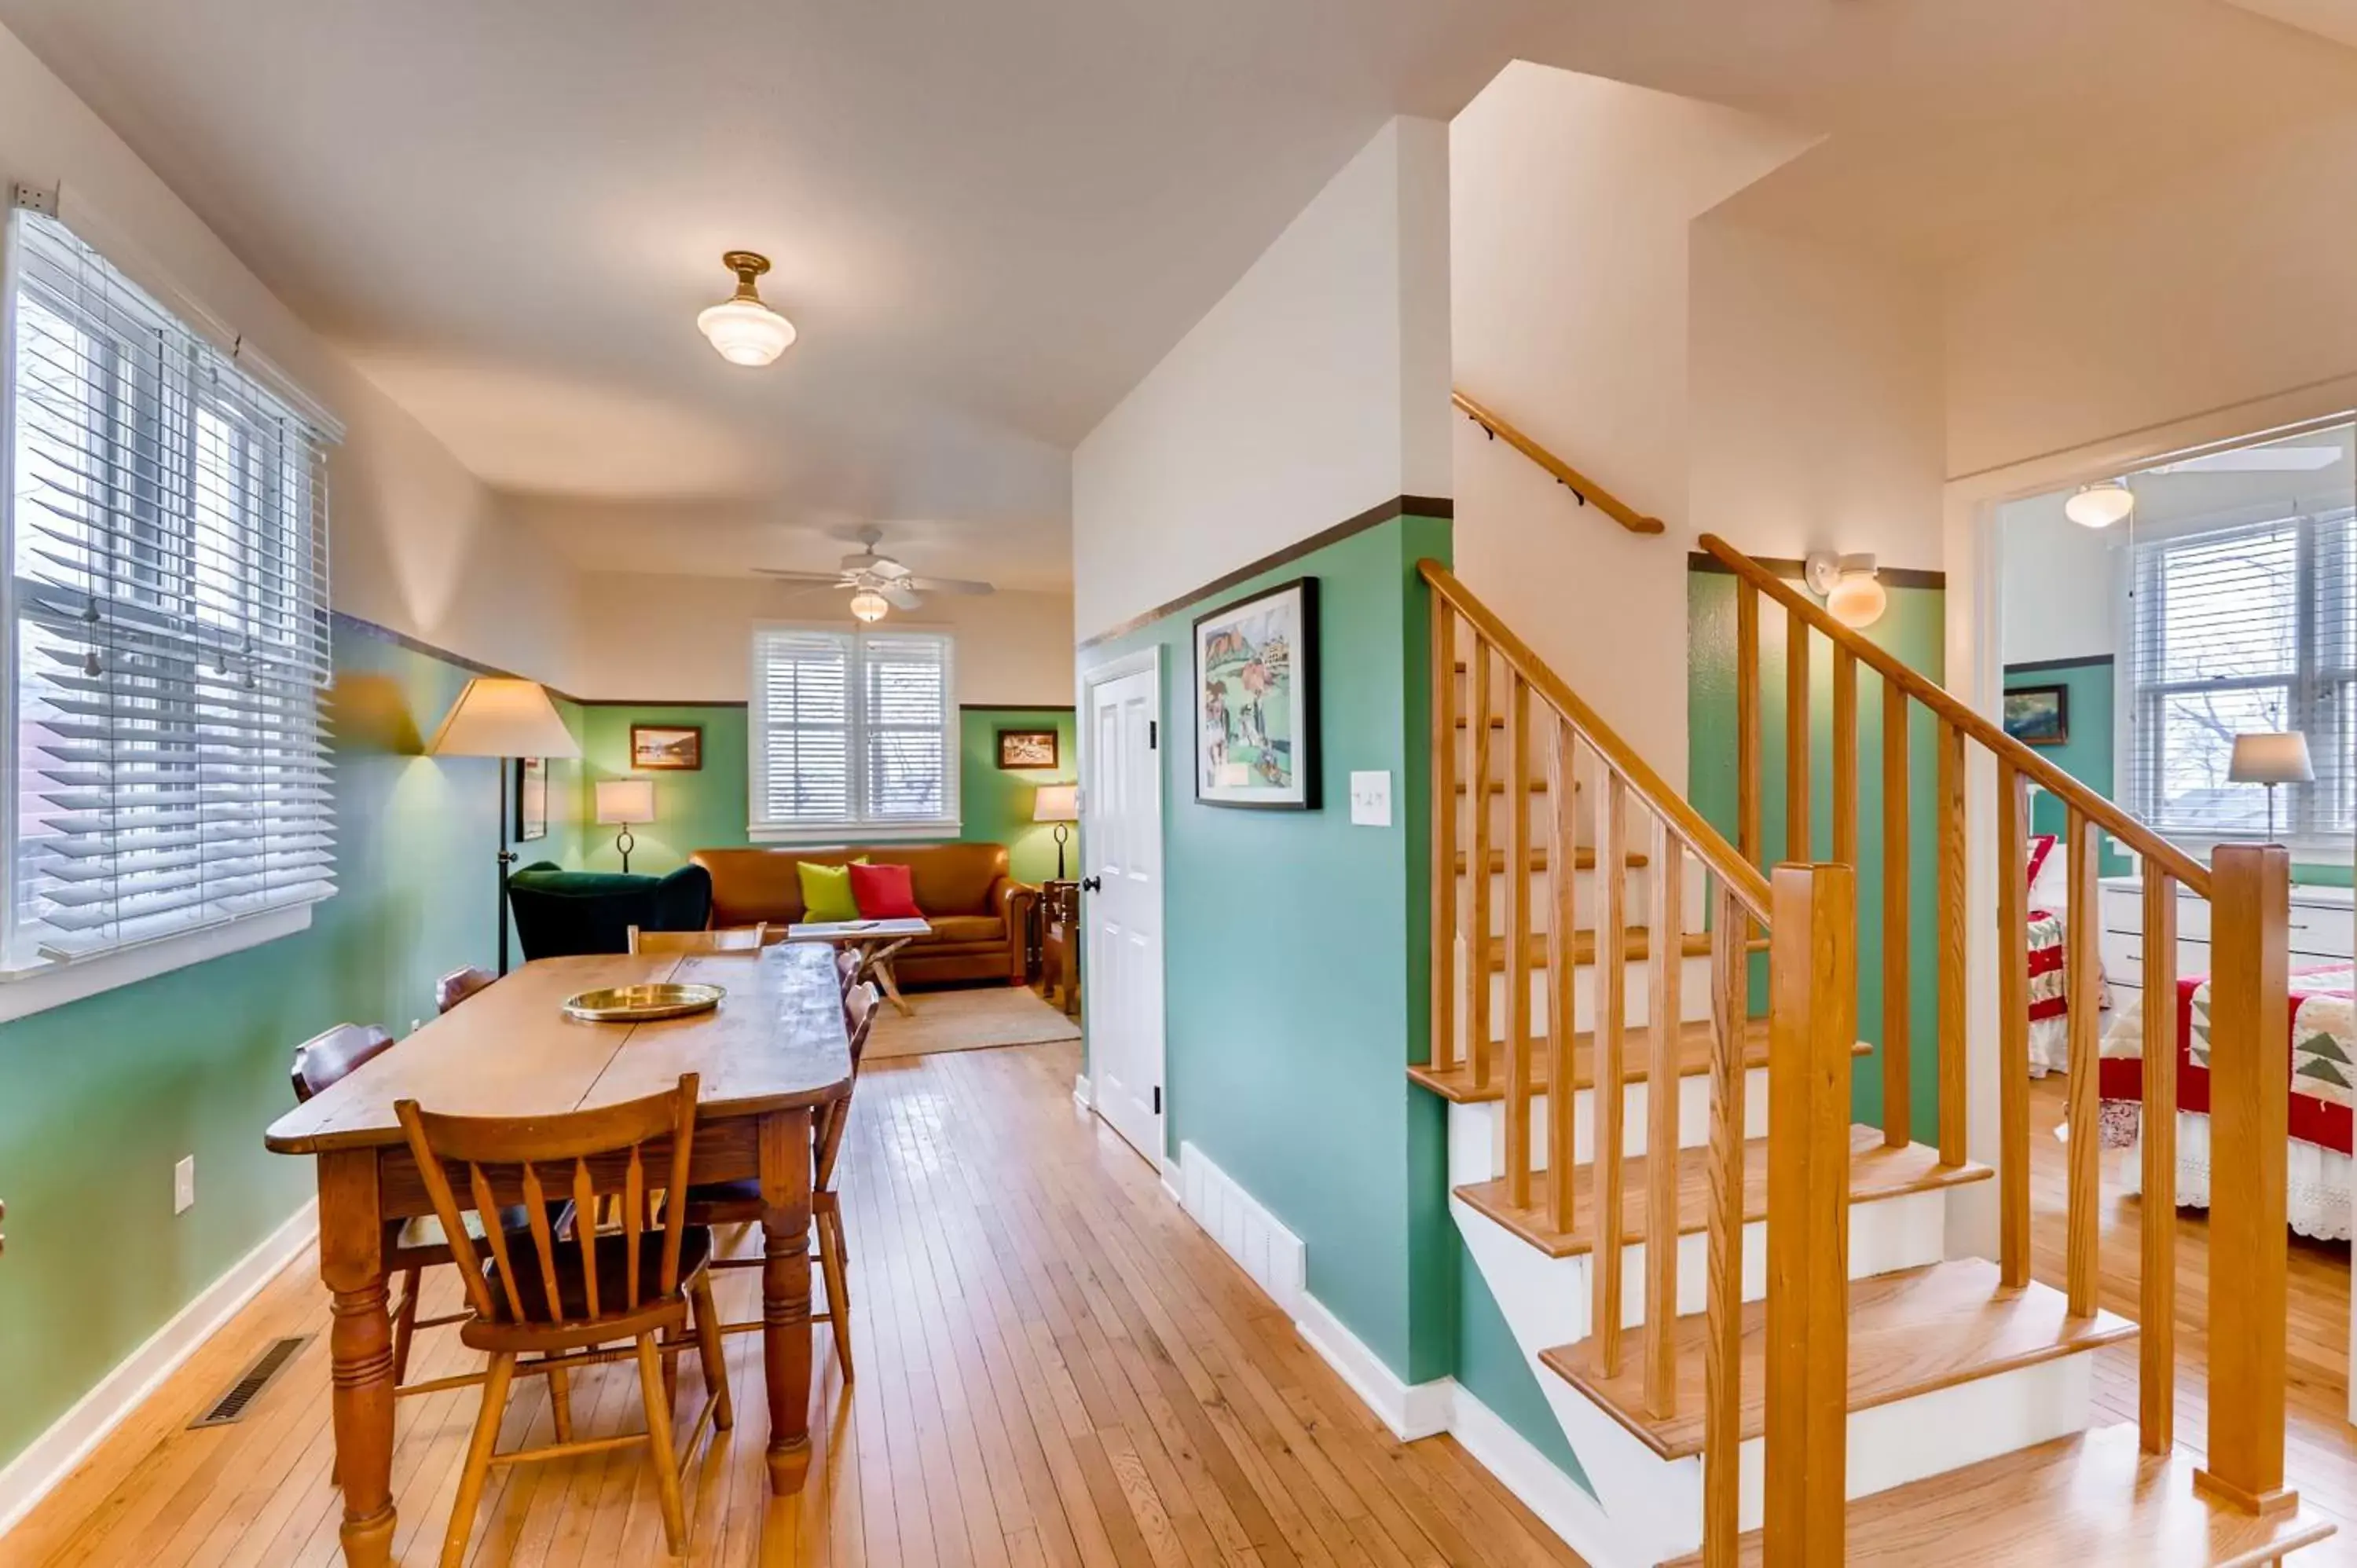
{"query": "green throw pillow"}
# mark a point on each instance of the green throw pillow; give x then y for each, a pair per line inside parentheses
(826, 892)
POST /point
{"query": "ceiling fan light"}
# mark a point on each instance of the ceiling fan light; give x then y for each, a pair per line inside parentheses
(869, 606)
(744, 330)
(2100, 505)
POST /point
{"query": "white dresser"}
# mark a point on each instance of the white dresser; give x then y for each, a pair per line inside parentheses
(2323, 930)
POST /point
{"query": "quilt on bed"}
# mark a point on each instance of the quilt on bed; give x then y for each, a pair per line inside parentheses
(2323, 1052)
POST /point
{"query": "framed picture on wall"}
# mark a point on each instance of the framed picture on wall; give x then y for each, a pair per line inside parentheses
(532, 798)
(1020, 750)
(678, 747)
(2039, 715)
(1256, 701)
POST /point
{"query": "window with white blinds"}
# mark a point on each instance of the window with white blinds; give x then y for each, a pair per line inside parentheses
(168, 620)
(853, 733)
(2252, 627)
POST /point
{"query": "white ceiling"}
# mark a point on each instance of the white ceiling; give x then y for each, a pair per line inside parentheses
(991, 219)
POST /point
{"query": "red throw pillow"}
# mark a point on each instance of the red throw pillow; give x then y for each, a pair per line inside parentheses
(884, 893)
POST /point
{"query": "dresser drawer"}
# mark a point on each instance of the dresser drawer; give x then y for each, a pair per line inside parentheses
(2123, 959)
(2322, 932)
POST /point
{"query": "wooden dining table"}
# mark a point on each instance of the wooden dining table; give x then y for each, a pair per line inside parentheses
(771, 1057)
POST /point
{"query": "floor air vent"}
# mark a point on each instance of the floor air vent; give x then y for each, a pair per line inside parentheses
(234, 1404)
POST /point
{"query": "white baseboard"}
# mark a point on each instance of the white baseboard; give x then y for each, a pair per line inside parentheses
(1084, 1092)
(1563, 1503)
(1410, 1409)
(52, 1456)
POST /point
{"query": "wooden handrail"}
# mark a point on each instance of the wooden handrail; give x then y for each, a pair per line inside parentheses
(1579, 484)
(2131, 834)
(1722, 859)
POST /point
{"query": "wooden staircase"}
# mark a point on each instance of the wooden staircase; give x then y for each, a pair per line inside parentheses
(1742, 1305)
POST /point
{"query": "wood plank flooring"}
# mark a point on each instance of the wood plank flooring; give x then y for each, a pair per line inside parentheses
(1056, 1368)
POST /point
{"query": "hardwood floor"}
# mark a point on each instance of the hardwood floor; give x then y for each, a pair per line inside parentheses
(2321, 1446)
(1055, 1368)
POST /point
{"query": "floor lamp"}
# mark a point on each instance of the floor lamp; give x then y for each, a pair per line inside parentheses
(502, 717)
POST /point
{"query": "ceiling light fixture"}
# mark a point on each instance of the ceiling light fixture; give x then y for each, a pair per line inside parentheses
(741, 327)
(1854, 595)
(2100, 505)
(869, 606)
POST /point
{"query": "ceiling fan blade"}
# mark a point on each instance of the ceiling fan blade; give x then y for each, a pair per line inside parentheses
(831, 579)
(901, 596)
(951, 585)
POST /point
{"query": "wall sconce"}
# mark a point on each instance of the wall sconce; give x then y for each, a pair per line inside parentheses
(1852, 595)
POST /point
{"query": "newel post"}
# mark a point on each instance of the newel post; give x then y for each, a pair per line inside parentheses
(1811, 1020)
(2250, 1095)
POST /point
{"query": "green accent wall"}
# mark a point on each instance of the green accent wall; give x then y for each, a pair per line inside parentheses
(707, 808)
(98, 1098)
(2087, 755)
(1296, 964)
(1913, 627)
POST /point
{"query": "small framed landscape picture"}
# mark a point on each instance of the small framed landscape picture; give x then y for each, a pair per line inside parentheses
(1256, 701)
(678, 747)
(2039, 715)
(1026, 748)
(532, 798)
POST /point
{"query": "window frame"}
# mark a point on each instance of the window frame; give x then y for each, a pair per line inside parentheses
(860, 825)
(2311, 688)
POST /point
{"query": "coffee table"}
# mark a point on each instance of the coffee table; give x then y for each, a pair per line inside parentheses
(873, 940)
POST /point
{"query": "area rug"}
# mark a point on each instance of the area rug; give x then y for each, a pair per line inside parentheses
(969, 1021)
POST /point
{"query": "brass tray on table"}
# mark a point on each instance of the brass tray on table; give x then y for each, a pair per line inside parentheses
(639, 1003)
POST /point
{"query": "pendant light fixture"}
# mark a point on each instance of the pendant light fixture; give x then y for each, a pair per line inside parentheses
(744, 330)
(2100, 505)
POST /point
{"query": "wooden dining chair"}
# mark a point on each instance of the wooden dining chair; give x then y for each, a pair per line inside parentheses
(846, 970)
(729, 940)
(458, 984)
(559, 1301)
(739, 1202)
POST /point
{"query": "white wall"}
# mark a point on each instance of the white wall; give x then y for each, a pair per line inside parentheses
(656, 638)
(418, 544)
(1572, 199)
(2057, 598)
(1316, 389)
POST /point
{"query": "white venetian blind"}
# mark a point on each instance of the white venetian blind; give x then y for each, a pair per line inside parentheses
(169, 590)
(2251, 627)
(853, 732)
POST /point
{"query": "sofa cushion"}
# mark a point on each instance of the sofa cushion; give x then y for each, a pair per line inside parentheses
(883, 892)
(977, 928)
(826, 891)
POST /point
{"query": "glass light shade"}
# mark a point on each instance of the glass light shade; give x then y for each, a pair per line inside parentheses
(1055, 803)
(1856, 597)
(501, 716)
(870, 604)
(2100, 506)
(745, 331)
(625, 801)
(2271, 757)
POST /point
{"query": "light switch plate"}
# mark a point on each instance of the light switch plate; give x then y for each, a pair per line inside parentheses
(184, 1186)
(1371, 800)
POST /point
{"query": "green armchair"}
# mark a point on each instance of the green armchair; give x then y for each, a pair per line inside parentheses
(559, 912)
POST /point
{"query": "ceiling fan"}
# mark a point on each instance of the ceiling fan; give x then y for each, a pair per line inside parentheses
(876, 581)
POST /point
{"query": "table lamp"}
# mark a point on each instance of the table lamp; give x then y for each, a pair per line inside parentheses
(621, 802)
(1060, 804)
(2271, 757)
(499, 715)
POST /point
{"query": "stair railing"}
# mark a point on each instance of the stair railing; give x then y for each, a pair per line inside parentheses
(2248, 890)
(1569, 477)
(1555, 745)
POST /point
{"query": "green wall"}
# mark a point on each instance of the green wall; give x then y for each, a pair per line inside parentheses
(1914, 628)
(2087, 755)
(707, 808)
(1294, 960)
(97, 1098)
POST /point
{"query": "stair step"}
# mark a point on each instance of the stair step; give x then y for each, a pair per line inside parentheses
(1455, 1084)
(1876, 1171)
(2094, 1501)
(1911, 1332)
(1695, 944)
(1582, 859)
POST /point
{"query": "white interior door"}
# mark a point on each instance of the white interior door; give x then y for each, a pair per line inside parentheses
(1121, 905)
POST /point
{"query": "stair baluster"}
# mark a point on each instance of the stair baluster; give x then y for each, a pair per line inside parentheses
(1563, 919)
(1518, 938)
(2083, 984)
(1663, 1009)
(2156, 1333)
(1950, 925)
(1612, 1062)
(1477, 885)
(1723, 1304)
(2013, 1029)
(1898, 994)
(1445, 842)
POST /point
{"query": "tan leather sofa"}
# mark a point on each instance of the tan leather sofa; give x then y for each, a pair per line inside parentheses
(980, 914)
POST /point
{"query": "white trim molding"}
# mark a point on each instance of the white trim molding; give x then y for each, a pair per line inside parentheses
(1084, 1094)
(70, 1439)
(1562, 1503)
(27, 991)
(1410, 1409)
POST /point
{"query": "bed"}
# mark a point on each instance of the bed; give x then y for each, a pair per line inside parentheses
(2322, 1051)
(2050, 924)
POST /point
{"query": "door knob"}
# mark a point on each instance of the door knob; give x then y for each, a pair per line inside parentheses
(1092, 884)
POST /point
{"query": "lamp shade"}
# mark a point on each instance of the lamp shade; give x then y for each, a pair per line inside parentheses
(1055, 803)
(2271, 757)
(626, 800)
(499, 715)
